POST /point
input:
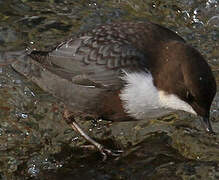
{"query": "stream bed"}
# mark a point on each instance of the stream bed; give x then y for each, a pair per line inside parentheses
(36, 143)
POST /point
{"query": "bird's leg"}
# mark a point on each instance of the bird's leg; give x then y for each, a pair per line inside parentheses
(69, 118)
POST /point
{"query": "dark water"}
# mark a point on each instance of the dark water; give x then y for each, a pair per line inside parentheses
(35, 143)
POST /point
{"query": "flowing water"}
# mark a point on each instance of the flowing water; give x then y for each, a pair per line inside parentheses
(36, 143)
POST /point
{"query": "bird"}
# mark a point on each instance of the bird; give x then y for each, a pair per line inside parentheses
(122, 71)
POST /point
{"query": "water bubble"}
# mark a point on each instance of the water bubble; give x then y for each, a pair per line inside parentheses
(82, 165)
(21, 115)
(32, 93)
(99, 120)
(75, 139)
(196, 11)
(209, 2)
(99, 128)
(24, 116)
(33, 170)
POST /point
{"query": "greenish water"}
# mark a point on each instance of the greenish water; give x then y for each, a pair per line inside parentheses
(35, 142)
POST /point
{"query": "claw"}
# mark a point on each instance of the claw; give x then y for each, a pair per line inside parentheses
(105, 152)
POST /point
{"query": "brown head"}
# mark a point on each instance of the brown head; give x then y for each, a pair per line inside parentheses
(186, 74)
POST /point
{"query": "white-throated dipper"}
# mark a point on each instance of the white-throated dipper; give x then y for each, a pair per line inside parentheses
(123, 71)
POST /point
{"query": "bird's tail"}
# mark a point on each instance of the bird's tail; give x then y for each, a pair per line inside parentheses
(21, 61)
(7, 58)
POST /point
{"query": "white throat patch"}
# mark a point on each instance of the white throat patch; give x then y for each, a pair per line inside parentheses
(142, 100)
(173, 102)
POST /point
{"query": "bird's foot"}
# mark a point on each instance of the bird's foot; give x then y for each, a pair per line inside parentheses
(104, 151)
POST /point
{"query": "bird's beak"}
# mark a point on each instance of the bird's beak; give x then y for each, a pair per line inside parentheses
(207, 125)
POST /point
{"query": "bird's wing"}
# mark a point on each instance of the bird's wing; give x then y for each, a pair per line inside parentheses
(90, 62)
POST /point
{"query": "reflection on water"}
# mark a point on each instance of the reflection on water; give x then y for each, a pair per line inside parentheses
(36, 142)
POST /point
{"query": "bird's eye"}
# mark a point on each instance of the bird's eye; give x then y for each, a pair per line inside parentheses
(189, 96)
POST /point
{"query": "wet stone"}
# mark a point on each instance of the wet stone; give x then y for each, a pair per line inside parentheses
(7, 35)
(35, 140)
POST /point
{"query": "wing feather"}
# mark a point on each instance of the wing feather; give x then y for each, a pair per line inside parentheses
(86, 61)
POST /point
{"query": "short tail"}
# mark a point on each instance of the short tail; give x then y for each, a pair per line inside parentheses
(7, 58)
